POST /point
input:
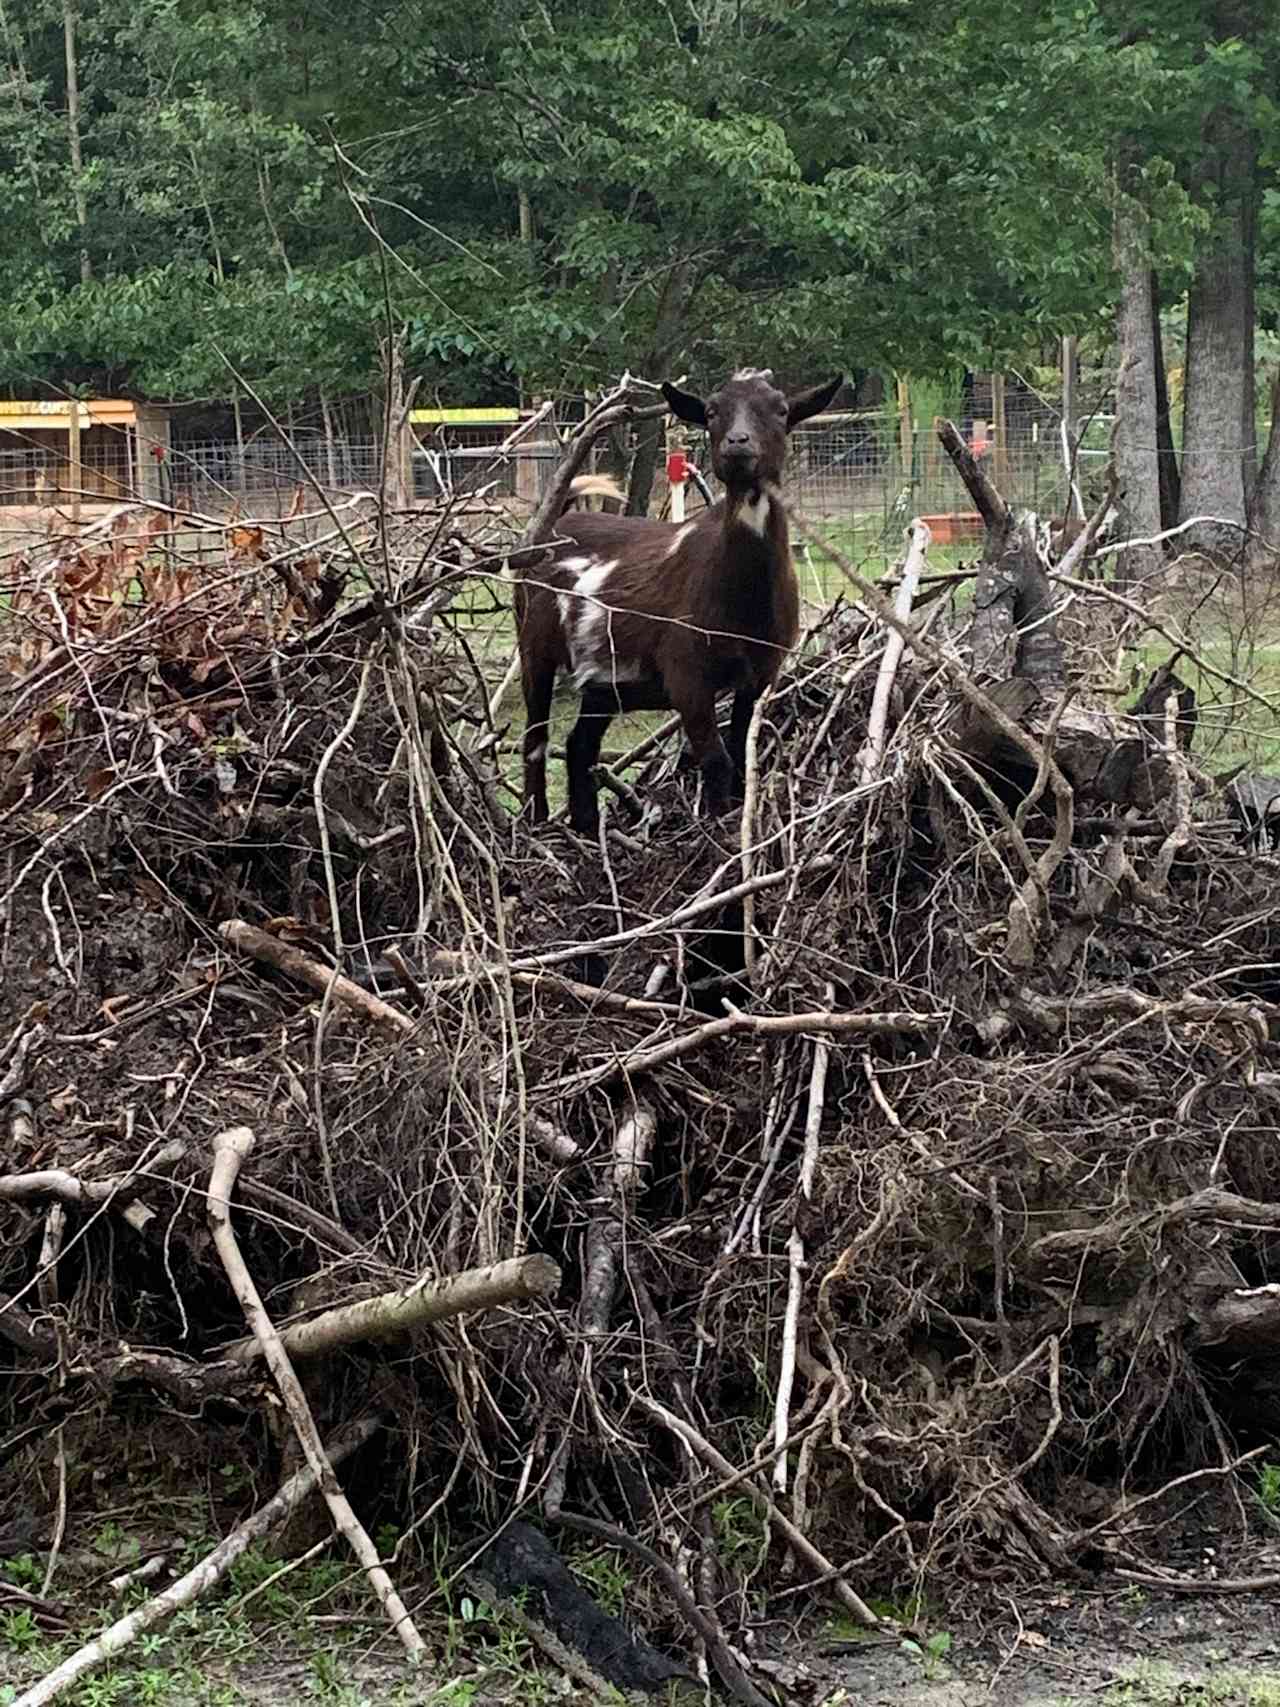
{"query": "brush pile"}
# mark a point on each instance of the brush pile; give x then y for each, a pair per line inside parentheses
(921, 1117)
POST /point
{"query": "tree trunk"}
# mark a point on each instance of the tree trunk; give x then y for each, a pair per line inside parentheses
(673, 305)
(1135, 450)
(73, 129)
(1264, 512)
(650, 437)
(1217, 305)
(331, 461)
(1170, 478)
(1249, 379)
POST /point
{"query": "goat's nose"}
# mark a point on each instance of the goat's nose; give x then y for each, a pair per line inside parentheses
(738, 438)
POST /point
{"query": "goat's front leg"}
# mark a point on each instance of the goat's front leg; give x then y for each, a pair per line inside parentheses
(744, 704)
(582, 753)
(709, 754)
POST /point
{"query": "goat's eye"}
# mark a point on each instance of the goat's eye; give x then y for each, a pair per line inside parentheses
(711, 411)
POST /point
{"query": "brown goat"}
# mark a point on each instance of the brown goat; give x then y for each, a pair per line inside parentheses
(648, 616)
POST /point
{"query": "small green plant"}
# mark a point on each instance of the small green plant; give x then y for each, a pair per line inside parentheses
(234, 1478)
(19, 1630)
(605, 1574)
(25, 1571)
(742, 1538)
(931, 1653)
(1269, 1490)
(460, 1693)
(152, 1685)
(103, 1691)
(113, 1543)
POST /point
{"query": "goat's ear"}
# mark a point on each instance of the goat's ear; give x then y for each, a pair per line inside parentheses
(811, 402)
(684, 405)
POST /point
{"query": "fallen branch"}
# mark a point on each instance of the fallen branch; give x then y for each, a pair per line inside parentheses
(897, 1022)
(987, 500)
(895, 646)
(302, 968)
(198, 1580)
(70, 1188)
(192, 1384)
(1203, 1585)
(229, 1150)
(699, 1620)
(393, 1314)
(1209, 1205)
(799, 1543)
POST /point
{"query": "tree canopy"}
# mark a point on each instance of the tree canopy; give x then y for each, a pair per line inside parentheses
(546, 192)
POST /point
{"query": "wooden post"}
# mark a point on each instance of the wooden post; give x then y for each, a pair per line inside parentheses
(75, 474)
(999, 432)
(1070, 375)
(904, 427)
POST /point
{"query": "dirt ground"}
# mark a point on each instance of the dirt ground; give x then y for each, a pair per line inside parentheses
(1070, 1648)
(1125, 1647)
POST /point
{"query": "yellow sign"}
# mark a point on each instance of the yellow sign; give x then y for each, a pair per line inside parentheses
(464, 417)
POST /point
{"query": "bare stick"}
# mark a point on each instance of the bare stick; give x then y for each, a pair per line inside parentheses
(990, 505)
(799, 1544)
(895, 646)
(1181, 833)
(55, 1226)
(787, 1366)
(229, 1150)
(750, 801)
(393, 1314)
(769, 1025)
(632, 1148)
(70, 1188)
(198, 1580)
(317, 795)
(301, 967)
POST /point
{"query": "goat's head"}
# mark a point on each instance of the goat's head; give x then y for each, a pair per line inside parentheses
(748, 420)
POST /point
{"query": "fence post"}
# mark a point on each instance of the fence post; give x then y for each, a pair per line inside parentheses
(76, 475)
(1000, 432)
(904, 428)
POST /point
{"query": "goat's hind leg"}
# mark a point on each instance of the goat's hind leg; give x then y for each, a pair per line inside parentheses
(582, 753)
(539, 686)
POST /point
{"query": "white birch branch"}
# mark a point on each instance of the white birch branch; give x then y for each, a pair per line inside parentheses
(229, 1150)
(392, 1314)
(895, 646)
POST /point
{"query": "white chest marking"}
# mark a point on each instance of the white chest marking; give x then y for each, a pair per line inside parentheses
(754, 514)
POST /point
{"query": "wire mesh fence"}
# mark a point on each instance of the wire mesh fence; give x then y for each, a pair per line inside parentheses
(868, 471)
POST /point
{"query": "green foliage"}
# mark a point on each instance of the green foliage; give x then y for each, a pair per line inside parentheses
(1269, 1490)
(268, 189)
(18, 1630)
(931, 1652)
(24, 1569)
